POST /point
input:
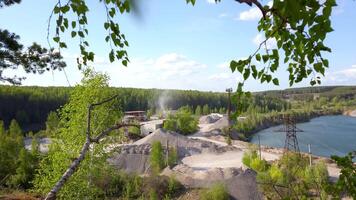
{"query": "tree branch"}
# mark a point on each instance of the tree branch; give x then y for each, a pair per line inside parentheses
(258, 4)
(76, 162)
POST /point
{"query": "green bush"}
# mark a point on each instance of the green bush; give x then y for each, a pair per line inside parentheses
(248, 157)
(156, 157)
(16, 164)
(291, 177)
(216, 192)
(183, 122)
(172, 157)
(170, 124)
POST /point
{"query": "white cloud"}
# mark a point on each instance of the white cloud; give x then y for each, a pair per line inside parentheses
(167, 71)
(225, 77)
(252, 14)
(210, 1)
(249, 15)
(259, 38)
(345, 76)
(223, 15)
(224, 65)
(220, 76)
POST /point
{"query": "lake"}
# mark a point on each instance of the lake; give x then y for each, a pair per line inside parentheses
(327, 135)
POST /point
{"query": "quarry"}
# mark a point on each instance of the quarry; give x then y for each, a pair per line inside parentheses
(204, 158)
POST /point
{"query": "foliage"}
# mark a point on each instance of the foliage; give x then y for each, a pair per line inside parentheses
(249, 156)
(70, 137)
(35, 59)
(172, 157)
(153, 195)
(2, 128)
(37, 102)
(299, 29)
(216, 192)
(183, 122)
(15, 129)
(206, 109)
(198, 110)
(157, 157)
(170, 124)
(10, 146)
(26, 166)
(17, 165)
(291, 177)
(346, 184)
(52, 123)
(186, 123)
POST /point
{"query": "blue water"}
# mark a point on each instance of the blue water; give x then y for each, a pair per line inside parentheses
(328, 135)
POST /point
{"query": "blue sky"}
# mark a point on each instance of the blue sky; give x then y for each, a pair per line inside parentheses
(178, 46)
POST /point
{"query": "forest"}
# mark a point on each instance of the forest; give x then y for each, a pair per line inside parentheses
(30, 105)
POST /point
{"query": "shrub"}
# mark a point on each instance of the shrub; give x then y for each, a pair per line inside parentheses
(172, 157)
(216, 192)
(170, 124)
(248, 157)
(183, 122)
(156, 158)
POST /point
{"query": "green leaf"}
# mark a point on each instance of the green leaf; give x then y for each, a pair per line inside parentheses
(56, 39)
(56, 10)
(247, 73)
(107, 38)
(65, 9)
(275, 81)
(74, 23)
(81, 34)
(62, 45)
(258, 57)
(254, 71)
(124, 62)
(265, 58)
(111, 56)
(326, 63)
(106, 25)
(233, 65)
(73, 34)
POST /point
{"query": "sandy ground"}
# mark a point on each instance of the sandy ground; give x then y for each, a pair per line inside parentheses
(234, 158)
(224, 160)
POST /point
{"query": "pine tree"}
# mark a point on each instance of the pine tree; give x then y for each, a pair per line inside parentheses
(2, 128)
(206, 109)
(15, 129)
(52, 122)
(198, 110)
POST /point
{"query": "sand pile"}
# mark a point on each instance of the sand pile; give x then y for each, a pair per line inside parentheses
(186, 146)
(211, 118)
(217, 125)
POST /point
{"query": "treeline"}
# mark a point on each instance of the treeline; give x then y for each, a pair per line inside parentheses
(30, 106)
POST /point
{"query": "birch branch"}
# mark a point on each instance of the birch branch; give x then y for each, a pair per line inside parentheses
(52, 195)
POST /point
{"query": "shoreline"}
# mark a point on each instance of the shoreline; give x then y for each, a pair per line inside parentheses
(350, 113)
(300, 118)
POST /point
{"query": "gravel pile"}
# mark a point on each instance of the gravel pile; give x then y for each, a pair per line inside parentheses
(211, 118)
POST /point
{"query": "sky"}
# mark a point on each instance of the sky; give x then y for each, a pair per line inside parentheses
(174, 45)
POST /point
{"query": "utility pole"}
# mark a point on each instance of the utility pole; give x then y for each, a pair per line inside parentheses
(259, 146)
(310, 155)
(291, 142)
(229, 90)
